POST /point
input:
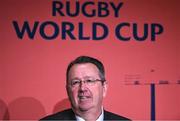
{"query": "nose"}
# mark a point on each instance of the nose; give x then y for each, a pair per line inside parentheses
(83, 86)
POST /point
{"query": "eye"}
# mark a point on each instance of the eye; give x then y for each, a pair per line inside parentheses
(75, 82)
(90, 81)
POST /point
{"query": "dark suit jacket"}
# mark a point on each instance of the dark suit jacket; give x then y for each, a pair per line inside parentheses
(69, 115)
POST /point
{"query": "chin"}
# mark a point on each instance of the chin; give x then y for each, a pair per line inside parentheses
(85, 107)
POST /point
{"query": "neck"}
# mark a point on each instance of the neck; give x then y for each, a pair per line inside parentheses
(89, 115)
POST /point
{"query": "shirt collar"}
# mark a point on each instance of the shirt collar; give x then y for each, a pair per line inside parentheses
(100, 118)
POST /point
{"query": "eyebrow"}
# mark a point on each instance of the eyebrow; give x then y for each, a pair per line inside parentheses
(86, 77)
(75, 78)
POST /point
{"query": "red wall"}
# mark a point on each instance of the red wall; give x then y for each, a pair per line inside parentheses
(32, 72)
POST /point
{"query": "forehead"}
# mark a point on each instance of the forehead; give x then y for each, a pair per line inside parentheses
(83, 70)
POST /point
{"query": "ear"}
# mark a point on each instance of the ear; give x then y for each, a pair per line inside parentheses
(105, 86)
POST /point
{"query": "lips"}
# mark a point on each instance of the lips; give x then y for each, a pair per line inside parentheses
(83, 97)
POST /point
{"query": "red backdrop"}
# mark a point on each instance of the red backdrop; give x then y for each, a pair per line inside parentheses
(32, 72)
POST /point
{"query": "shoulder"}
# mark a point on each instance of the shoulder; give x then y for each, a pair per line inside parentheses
(112, 116)
(63, 115)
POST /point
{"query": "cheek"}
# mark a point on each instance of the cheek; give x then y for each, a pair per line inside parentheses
(98, 93)
(74, 95)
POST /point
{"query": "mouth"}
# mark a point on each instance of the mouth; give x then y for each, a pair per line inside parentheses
(82, 98)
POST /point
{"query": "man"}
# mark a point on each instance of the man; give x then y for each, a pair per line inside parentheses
(86, 87)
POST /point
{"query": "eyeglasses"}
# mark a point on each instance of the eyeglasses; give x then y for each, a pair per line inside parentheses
(89, 82)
